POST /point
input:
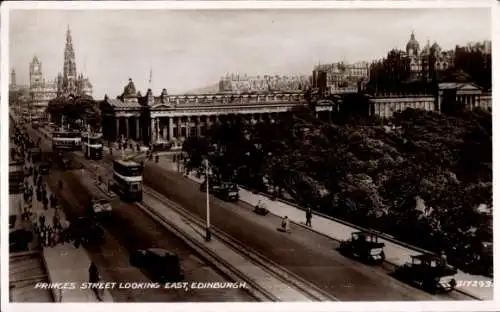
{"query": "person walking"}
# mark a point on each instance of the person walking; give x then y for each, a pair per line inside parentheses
(308, 217)
(42, 236)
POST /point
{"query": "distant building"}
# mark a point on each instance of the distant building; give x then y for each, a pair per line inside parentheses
(419, 59)
(69, 83)
(340, 77)
(13, 83)
(41, 91)
(236, 83)
(484, 47)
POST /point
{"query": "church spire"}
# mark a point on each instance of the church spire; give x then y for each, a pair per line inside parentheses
(69, 73)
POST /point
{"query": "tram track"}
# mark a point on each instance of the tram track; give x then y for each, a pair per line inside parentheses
(308, 289)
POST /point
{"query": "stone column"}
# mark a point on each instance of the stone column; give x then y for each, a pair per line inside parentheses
(117, 121)
(179, 134)
(137, 129)
(170, 129)
(198, 126)
(157, 121)
(127, 133)
(188, 126)
(152, 130)
(165, 129)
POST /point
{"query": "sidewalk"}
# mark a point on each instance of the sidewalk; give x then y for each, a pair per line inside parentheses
(395, 253)
(65, 263)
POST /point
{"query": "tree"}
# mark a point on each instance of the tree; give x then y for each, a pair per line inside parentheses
(75, 108)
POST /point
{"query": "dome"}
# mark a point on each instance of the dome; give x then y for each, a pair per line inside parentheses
(436, 47)
(412, 44)
(129, 89)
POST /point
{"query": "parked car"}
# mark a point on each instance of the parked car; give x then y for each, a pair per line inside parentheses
(429, 273)
(162, 265)
(364, 246)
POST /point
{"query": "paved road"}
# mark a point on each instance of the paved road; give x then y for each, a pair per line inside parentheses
(130, 229)
(304, 252)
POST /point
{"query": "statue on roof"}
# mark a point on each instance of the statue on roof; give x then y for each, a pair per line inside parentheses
(129, 90)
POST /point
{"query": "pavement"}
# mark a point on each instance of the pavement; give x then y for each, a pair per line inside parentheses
(395, 253)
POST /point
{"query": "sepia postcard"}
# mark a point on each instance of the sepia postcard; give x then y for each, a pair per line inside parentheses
(235, 153)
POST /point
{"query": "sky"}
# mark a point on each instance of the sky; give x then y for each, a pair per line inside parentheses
(190, 49)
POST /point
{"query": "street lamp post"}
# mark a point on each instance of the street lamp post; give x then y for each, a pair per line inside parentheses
(88, 140)
(208, 234)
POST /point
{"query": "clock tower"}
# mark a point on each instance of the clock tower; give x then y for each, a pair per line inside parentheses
(35, 73)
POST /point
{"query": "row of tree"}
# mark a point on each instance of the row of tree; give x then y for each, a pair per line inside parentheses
(369, 174)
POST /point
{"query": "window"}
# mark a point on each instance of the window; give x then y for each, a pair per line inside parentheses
(130, 170)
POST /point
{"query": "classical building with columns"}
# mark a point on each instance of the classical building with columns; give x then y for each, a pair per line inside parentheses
(467, 95)
(173, 118)
(386, 106)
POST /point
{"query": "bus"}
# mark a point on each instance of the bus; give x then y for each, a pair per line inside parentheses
(127, 179)
(66, 141)
(92, 145)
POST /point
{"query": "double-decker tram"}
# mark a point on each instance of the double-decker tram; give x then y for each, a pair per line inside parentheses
(92, 145)
(16, 176)
(127, 179)
(66, 141)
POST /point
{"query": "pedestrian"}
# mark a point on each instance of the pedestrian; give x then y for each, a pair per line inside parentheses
(45, 203)
(47, 236)
(285, 224)
(444, 260)
(42, 237)
(52, 237)
(56, 236)
(308, 217)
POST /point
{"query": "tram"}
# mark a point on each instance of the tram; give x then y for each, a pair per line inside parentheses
(16, 177)
(66, 141)
(127, 179)
(92, 145)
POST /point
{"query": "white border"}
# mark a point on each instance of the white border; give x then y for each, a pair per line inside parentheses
(141, 5)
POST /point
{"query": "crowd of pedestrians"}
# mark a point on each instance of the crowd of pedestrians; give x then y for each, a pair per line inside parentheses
(49, 231)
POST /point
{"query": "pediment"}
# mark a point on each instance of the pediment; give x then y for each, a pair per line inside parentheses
(161, 106)
(469, 86)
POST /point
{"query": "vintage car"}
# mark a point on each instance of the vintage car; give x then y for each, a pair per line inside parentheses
(162, 265)
(214, 185)
(228, 191)
(101, 208)
(363, 246)
(428, 272)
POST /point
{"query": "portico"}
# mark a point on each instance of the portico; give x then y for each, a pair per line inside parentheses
(466, 95)
(173, 118)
